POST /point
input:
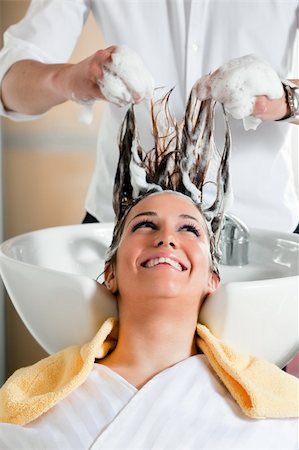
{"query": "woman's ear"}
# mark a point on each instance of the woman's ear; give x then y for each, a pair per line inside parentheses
(213, 282)
(110, 278)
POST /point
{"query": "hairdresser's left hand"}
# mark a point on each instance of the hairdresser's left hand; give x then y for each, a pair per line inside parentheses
(248, 88)
(125, 78)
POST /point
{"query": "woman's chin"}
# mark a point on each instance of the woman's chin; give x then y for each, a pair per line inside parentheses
(164, 289)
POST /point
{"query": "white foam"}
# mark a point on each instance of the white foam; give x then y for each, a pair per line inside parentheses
(86, 115)
(237, 83)
(125, 80)
(138, 174)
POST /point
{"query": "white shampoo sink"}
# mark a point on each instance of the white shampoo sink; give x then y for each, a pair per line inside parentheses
(50, 276)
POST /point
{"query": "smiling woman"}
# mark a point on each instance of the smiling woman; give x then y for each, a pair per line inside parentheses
(142, 382)
(160, 274)
(164, 242)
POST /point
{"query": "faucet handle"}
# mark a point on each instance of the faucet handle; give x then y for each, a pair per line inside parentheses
(234, 242)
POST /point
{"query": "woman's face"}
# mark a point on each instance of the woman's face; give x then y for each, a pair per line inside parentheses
(164, 251)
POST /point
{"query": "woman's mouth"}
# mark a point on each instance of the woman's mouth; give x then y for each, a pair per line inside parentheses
(165, 260)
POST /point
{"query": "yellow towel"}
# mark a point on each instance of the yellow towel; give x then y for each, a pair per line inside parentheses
(33, 390)
(260, 388)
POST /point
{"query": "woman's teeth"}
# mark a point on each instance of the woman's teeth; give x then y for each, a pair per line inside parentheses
(162, 260)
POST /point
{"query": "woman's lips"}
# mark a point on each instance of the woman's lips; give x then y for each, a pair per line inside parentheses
(165, 260)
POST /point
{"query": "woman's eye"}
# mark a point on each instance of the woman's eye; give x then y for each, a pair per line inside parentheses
(190, 228)
(144, 224)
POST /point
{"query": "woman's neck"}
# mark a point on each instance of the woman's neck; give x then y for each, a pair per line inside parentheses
(151, 342)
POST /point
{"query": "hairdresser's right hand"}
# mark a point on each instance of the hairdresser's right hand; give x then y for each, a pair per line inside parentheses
(116, 74)
(248, 87)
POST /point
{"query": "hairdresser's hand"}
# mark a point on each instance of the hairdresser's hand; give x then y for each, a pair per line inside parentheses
(79, 82)
(248, 88)
(266, 109)
(115, 74)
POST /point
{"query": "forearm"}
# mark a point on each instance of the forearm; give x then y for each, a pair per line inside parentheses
(31, 87)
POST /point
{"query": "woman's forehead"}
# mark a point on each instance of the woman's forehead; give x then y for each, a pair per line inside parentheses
(166, 203)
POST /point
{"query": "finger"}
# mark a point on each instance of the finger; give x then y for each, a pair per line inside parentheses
(260, 106)
(114, 90)
(105, 55)
(129, 67)
(268, 109)
(203, 88)
(95, 92)
(98, 62)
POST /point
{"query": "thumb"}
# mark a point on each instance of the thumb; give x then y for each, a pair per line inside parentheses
(203, 88)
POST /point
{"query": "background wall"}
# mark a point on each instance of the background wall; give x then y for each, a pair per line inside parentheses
(47, 166)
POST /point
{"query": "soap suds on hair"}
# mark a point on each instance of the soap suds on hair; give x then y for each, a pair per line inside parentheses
(138, 173)
(125, 80)
(237, 83)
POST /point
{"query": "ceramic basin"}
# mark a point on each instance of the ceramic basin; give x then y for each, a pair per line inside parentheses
(51, 274)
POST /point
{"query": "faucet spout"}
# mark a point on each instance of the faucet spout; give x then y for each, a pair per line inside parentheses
(234, 242)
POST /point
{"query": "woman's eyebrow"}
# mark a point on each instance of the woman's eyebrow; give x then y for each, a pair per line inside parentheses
(187, 216)
(153, 213)
(144, 213)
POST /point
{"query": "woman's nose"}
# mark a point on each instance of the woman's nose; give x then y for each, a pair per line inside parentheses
(165, 243)
(165, 239)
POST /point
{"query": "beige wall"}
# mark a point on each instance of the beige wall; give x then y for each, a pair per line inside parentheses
(47, 166)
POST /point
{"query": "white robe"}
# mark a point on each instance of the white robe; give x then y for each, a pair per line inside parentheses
(183, 407)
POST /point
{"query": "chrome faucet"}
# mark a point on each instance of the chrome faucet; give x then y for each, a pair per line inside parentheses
(234, 242)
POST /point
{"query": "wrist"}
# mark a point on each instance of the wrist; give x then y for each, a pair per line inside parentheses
(59, 82)
(291, 99)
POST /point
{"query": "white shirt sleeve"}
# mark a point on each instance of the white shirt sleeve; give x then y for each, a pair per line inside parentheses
(48, 33)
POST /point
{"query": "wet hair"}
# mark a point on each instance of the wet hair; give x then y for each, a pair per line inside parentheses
(185, 159)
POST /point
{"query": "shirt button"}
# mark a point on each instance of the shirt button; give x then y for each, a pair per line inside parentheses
(195, 47)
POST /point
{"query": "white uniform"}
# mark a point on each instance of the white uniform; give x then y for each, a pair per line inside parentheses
(179, 42)
(183, 407)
